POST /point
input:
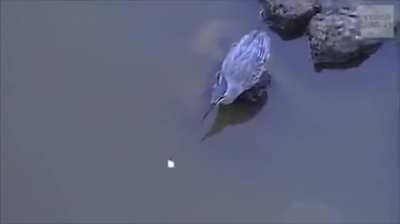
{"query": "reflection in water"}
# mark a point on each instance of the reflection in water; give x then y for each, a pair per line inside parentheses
(242, 110)
(357, 61)
(212, 38)
(285, 35)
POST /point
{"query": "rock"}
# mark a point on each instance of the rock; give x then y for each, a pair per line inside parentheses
(258, 93)
(335, 39)
(289, 18)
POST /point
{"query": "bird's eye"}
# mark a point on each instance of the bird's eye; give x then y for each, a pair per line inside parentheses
(219, 78)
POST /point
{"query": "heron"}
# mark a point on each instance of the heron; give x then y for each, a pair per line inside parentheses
(242, 68)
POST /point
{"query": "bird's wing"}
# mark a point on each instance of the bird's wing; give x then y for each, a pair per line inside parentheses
(257, 66)
(253, 72)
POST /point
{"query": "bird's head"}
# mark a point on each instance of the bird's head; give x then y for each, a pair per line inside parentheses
(221, 94)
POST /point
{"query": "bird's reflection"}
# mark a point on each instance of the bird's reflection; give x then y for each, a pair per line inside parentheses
(246, 107)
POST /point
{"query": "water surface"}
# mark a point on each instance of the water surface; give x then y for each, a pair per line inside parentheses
(95, 96)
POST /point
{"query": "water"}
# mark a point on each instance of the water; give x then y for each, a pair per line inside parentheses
(97, 95)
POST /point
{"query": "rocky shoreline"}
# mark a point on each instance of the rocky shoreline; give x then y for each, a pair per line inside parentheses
(334, 33)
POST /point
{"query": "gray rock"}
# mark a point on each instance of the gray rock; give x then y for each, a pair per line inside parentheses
(289, 18)
(335, 39)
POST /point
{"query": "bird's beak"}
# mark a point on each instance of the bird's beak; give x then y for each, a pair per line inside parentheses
(209, 110)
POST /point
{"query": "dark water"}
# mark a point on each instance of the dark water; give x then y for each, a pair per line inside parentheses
(96, 95)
